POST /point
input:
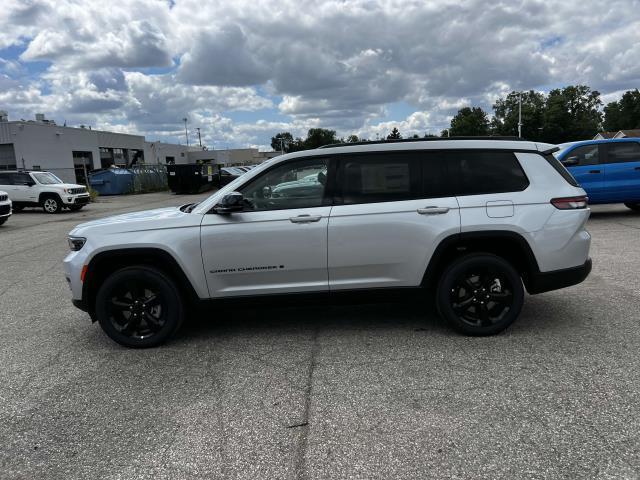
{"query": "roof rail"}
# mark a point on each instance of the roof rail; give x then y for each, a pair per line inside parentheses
(428, 139)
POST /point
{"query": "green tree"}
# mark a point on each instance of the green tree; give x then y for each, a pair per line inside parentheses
(623, 114)
(282, 140)
(469, 122)
(505, 120)
(571, 113)
(394, 135)
(317, 137)
(353, 139)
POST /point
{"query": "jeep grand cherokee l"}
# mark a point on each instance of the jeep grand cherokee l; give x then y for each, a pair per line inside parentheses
(478, 221)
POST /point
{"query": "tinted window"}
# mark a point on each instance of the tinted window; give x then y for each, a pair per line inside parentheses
(21, 179)
(486, 171)
(623, 152)
(297, 184)
(584, 155)
(379, 177)
(5, 179)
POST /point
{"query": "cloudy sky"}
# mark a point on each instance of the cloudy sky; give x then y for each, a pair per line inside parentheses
(243, 70)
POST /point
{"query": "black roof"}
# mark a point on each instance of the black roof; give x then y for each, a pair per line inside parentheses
(428, 139)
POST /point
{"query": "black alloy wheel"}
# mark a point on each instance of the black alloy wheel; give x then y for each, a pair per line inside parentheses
(139, 307)
(480, 294)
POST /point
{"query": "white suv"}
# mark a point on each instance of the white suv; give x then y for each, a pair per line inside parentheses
(42, 189)
(478, 221)
(5, 207)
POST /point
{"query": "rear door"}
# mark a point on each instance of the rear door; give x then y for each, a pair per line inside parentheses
(586, 164)
(385, 224)
(622, 171)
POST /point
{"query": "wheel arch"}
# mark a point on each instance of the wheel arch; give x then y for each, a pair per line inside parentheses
(511, 246)
(106, 262)
(45, 195)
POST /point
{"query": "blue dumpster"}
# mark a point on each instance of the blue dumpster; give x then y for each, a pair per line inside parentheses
(112, 181)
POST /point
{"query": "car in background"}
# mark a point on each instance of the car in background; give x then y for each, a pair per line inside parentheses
(228, 175)
(608, 170)
(5, 207)
(42, 189)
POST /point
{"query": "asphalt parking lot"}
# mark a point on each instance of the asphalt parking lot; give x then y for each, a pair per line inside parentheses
(383, 391)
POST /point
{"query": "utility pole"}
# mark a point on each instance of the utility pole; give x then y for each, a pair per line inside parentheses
(186, 132)
(199, 137)
(520, 115)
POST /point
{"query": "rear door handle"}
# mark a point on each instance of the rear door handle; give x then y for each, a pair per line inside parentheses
(433, 210)
(305, 218)
(594, 171)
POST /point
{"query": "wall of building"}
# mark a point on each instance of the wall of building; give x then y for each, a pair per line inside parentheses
(157, 152)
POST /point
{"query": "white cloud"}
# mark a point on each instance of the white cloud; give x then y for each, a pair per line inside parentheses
(339, 64)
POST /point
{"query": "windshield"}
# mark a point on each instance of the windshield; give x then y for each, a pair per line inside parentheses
(46, 178)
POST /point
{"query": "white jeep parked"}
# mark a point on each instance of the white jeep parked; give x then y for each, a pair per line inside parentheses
(42, 189)
(477, 221)
(5, 207)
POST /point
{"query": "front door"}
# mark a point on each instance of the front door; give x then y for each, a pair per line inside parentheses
(391, 212)
(278, 244)
(22, 188)
(585, 165)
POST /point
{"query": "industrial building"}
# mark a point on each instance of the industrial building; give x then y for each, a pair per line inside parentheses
(71, 153)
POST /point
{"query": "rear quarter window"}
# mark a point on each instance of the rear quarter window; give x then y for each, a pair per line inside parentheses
(487, 171)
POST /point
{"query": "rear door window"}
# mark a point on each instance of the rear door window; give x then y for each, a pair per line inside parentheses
(622, 152)
(378, 177)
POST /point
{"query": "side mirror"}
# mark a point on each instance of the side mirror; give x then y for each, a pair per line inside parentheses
(571, 161)
(231, 202)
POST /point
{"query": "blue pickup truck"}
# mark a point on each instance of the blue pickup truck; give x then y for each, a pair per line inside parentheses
(609, 170)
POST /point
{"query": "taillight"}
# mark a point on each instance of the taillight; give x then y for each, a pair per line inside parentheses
(570, 203)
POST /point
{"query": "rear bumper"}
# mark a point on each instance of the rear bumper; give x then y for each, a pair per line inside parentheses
(541, 282)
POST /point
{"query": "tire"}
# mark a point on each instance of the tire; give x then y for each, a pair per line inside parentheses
(3, 220)
(51, 204)
(148, 323)
(76, 208)
(633, 206)
(480, 294)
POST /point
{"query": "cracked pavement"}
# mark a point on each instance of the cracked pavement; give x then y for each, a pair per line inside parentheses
(360, 391)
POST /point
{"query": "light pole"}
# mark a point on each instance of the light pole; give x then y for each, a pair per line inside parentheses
(199, 137)
(520, 115)
(186, 132)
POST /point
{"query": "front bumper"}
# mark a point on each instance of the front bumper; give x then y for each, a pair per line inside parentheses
(541, 282)
(5, 210)
(81, 199)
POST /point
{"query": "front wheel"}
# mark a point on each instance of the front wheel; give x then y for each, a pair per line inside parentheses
(633, 206)
(51, 205)
(3, 219)
(139, 307)
(480, 294)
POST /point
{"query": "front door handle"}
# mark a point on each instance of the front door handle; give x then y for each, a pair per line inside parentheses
(433, 210)
(305, 218)
(594, 171)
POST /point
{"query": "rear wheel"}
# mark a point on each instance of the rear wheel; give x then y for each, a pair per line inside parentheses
(480, 294)
(633, 206)
(139, 307)
(51, 204)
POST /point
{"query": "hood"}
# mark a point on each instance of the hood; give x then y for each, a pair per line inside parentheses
(65, 185)
(138, 221)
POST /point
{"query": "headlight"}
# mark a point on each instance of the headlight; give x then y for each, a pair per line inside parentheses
(76, 243)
